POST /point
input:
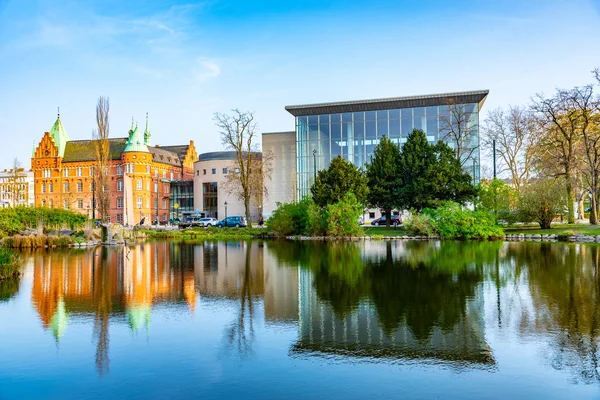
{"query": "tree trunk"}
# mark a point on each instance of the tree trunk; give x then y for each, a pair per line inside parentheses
(593, 209)
(570, 207)
(388, 217)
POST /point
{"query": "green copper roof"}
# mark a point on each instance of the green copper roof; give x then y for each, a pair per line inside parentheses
(59, 135)
(136, 142)
(147, 133)
(138, 315)
(59, 321)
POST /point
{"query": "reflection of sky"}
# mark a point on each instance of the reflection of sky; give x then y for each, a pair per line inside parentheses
(184, 354)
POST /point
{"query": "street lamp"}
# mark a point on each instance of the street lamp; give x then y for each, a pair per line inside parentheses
(315, 162)
(225, 209)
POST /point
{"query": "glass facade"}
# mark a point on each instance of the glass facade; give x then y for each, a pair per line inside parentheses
(354, 135)
(210, 199)
(182, 194)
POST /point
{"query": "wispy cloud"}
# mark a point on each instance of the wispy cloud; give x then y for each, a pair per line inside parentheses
(205, 69)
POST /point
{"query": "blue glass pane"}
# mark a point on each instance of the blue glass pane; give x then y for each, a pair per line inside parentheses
(313, 132)
(347, 130)
(371, 115)
(359, 116)
(407, 113)
(336, 131)
(383, 114)
(432, 111)
(394, 128)
(371, 130)
(419, 112)
(407, 127)
(359, 130)
(324, 119)
(313, 119)
(302, 119)
(394, 114)
(444, 110)
(324, 128)
(432, 127)
(382, 128)
(335, 118)
(419, 123)
(347, 117)
(336, 149)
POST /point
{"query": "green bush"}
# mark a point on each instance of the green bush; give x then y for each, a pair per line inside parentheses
(9, 263)
(342, 217)
(290, 218)
(14, 219)
(452, 221)
(317, 220)
(420, 224)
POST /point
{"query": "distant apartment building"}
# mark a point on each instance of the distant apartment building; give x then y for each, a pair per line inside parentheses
(140, 175)
(352, 130)
(211, 195)
(16, 188)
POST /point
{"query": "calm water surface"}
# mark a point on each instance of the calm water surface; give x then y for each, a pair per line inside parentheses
(304, 320)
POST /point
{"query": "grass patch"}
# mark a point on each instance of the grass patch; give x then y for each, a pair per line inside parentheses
(209, 233)
(36, 241)
(9, 263)
(582, 229)
(383, 231)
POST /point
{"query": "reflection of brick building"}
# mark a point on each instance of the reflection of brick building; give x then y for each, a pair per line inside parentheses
(139, 174)
(119, 281)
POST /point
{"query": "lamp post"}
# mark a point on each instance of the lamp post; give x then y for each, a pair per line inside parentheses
(315, 163)
(225, 209)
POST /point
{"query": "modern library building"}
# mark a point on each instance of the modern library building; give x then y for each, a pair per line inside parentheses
(352, 129)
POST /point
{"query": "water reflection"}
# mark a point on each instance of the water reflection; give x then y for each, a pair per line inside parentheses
(425, 302)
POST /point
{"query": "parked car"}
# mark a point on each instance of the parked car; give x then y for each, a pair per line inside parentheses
(174, 221)
(382, 220)
(206, 222)
(238, 222)
(191, 222)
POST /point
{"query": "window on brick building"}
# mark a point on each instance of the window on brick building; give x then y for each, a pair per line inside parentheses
(119, 186)
(79, 171)
(80, 186)
(119, 202)
(66, 204)
(80, 203)
(119, 170)
(139, 184)
(66, 173)
(67, 187)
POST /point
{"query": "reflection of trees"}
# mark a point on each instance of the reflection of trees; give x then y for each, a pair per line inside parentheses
(103, 302)
(240, 334)
(420, 293)
(425, 284)
(9, 288)
(565, 291)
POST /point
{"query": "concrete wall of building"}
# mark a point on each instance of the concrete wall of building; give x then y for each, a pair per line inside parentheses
(216, 170)
(282, 185)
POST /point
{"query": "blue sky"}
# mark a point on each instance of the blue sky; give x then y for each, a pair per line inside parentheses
(182, 61)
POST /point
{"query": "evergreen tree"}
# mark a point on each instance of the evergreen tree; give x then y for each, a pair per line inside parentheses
(431, 174)
(383, 178)
(334, 183)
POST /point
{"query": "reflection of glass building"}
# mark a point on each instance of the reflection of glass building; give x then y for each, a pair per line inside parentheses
(352, 129)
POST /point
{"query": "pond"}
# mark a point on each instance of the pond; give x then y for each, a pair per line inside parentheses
(251, 319)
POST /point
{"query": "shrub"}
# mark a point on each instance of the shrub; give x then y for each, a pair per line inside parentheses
(14, 219)
(290, 218)
(317, 220)
(342, 217)
(452, 221)
(9, 263)
(420, 224)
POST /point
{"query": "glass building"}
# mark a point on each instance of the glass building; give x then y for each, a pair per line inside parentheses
(352, 129)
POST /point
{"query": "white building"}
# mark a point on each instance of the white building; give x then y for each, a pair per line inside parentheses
(16, 188)
(210, 196)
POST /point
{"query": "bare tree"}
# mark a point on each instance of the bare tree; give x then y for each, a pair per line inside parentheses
(16, 184)
(458, 128)
(559, 140)
(101, 178)
(585, 104)
(239, 133)
(515, 134)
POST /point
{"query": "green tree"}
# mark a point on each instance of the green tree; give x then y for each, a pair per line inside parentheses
(431, 174)
(541, 202)
(342, 177)
(495, 195)
(383, 178)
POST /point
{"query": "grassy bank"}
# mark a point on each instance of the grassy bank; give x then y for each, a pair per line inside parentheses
(583, 229)
(383, 231)
(9, 263)
(208, 234)
(36, 241)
